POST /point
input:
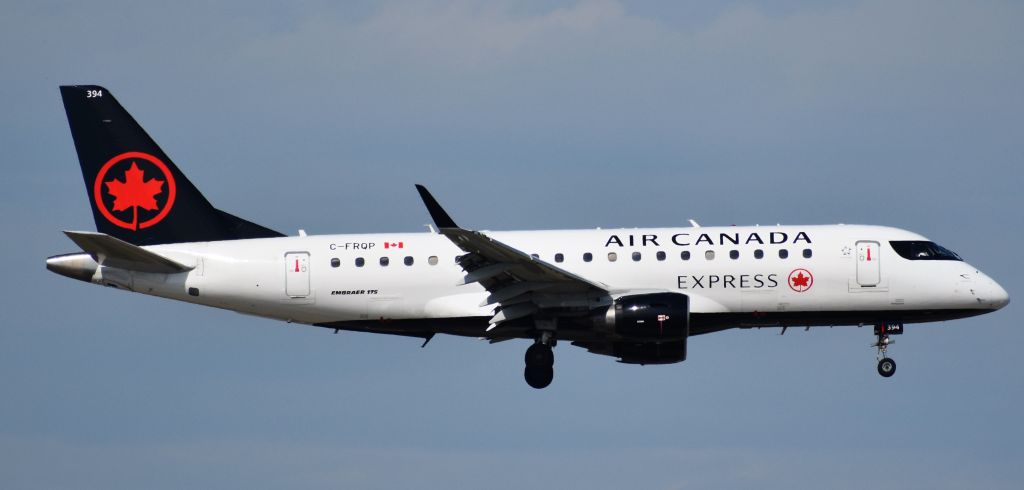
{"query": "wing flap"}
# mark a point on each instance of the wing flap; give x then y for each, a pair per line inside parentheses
(507, 293)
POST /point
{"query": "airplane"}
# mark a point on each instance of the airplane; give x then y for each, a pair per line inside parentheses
(634, 294)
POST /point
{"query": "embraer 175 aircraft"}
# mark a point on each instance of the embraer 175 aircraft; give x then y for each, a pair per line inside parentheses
(635, 294)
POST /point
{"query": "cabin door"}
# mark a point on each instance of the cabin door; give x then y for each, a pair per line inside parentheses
(869, 271)
(296, 274)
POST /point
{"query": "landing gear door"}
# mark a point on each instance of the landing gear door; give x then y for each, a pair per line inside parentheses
(869, 272)
(296, 276)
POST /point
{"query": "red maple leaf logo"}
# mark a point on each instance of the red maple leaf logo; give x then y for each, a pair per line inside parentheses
(800, 280)
(134, 193)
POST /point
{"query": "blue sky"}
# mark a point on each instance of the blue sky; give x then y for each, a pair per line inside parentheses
(322, 116)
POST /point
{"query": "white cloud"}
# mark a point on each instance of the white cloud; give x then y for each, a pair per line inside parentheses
(740, 74)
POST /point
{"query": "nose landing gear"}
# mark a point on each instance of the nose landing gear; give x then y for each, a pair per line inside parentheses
(886, 366)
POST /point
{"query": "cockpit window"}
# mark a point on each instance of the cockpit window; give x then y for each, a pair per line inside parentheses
(921, 250)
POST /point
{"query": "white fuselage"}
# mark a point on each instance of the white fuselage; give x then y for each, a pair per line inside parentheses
(634, 294)
(833, 274)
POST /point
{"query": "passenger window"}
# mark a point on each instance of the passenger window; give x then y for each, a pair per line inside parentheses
(758, 254)
(612, 256)
(734, 254)
(559, 258)
(335, 262)
(807, 253)
(408, 261)
(587, 257)
(384, 261)
(636, 256)
(360, 262)
(660, 255)
(432, 260)
(709, 255)
(685, 255)
(783, 253)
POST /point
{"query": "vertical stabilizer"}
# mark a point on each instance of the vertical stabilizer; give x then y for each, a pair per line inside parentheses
(136, 192)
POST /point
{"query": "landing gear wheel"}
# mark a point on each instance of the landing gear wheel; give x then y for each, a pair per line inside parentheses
(886, 367)
(540, 362)
(540, 355)
(539, 376)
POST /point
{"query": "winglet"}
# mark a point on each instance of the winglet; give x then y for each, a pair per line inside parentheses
(437, 213)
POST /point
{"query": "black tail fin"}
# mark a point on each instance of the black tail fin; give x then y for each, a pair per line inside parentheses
(136, 192)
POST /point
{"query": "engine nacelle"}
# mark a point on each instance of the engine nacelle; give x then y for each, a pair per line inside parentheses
(651, 352)
(649, 317)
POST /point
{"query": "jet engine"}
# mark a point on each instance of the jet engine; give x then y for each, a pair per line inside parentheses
(648, 317)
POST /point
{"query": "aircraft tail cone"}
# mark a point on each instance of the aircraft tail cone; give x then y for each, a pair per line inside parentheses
(79, 266)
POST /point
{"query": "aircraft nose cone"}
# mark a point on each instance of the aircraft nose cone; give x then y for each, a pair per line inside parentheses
(999, 296)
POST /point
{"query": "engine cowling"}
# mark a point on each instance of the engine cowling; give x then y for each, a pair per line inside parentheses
(649, 317)
(651, 352)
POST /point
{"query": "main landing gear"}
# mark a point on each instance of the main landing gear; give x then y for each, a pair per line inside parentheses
(886, 366)
(540, 362)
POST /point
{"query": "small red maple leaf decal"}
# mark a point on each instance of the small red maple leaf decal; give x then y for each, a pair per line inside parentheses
(134, 192)
(800, 280)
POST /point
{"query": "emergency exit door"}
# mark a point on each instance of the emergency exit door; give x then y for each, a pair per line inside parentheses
(869, 272)
(296, 276)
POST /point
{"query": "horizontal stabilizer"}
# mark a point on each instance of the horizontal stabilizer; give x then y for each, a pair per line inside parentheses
(112, 252)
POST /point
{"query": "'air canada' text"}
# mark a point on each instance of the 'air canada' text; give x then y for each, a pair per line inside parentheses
(694, 239)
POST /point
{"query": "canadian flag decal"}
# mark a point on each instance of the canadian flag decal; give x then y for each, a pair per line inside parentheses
(394, 244)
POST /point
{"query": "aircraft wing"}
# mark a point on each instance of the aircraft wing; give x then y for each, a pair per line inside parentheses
(520, 284)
